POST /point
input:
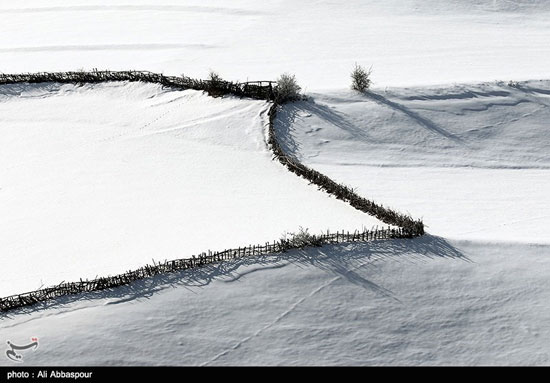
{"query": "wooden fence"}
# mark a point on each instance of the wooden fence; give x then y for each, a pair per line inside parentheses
(413, 227)
(282, 245)
(405, 226)
(262, 90)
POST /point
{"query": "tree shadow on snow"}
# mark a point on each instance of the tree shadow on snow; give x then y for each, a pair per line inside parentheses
(420, 120)
(340, 260)
(290, 112)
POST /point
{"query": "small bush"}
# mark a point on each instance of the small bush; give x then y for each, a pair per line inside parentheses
(214, 77)
(301, 239)
(216, 85)
(360, 78)
(287, 88)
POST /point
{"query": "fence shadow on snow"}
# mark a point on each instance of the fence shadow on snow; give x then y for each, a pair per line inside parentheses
(344, 260)
(403, 225)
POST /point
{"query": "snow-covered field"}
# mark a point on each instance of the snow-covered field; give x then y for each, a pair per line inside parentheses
(426, 301)
(472, 160)
(100, 179)
(408, 42)
(470, 157)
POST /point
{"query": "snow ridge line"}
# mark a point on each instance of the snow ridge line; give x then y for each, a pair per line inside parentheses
(283, 245)
(412, 228)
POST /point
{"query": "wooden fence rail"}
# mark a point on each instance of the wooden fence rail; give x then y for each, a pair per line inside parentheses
(263, 90)
(282, 245)
(404, 226)
(413, 227)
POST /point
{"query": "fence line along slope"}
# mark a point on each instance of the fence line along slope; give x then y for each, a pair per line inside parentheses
(59, 150)
(101, 178)
(298, 241)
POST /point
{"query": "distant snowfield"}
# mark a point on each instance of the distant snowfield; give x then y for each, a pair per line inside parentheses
(407, 42)
(472, 160)
(100, 179)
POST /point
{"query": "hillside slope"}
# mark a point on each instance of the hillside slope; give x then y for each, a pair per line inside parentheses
(472, 160)
(423, 302)
(427, 301)
(100, 179)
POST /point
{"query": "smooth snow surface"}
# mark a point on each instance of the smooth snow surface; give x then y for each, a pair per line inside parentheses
(422, 302)
(408, 42)
(427, 301)
(100, 179)
(472, 160)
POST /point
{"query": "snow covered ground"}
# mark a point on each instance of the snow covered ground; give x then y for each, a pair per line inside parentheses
(470, 157)
(431, 300)
(100, 179)
(472, 160)
(408, 42)
(426, 301)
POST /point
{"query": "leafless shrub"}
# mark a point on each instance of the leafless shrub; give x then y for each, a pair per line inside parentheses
(287, 88)
(360, 78)
(300, 239)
